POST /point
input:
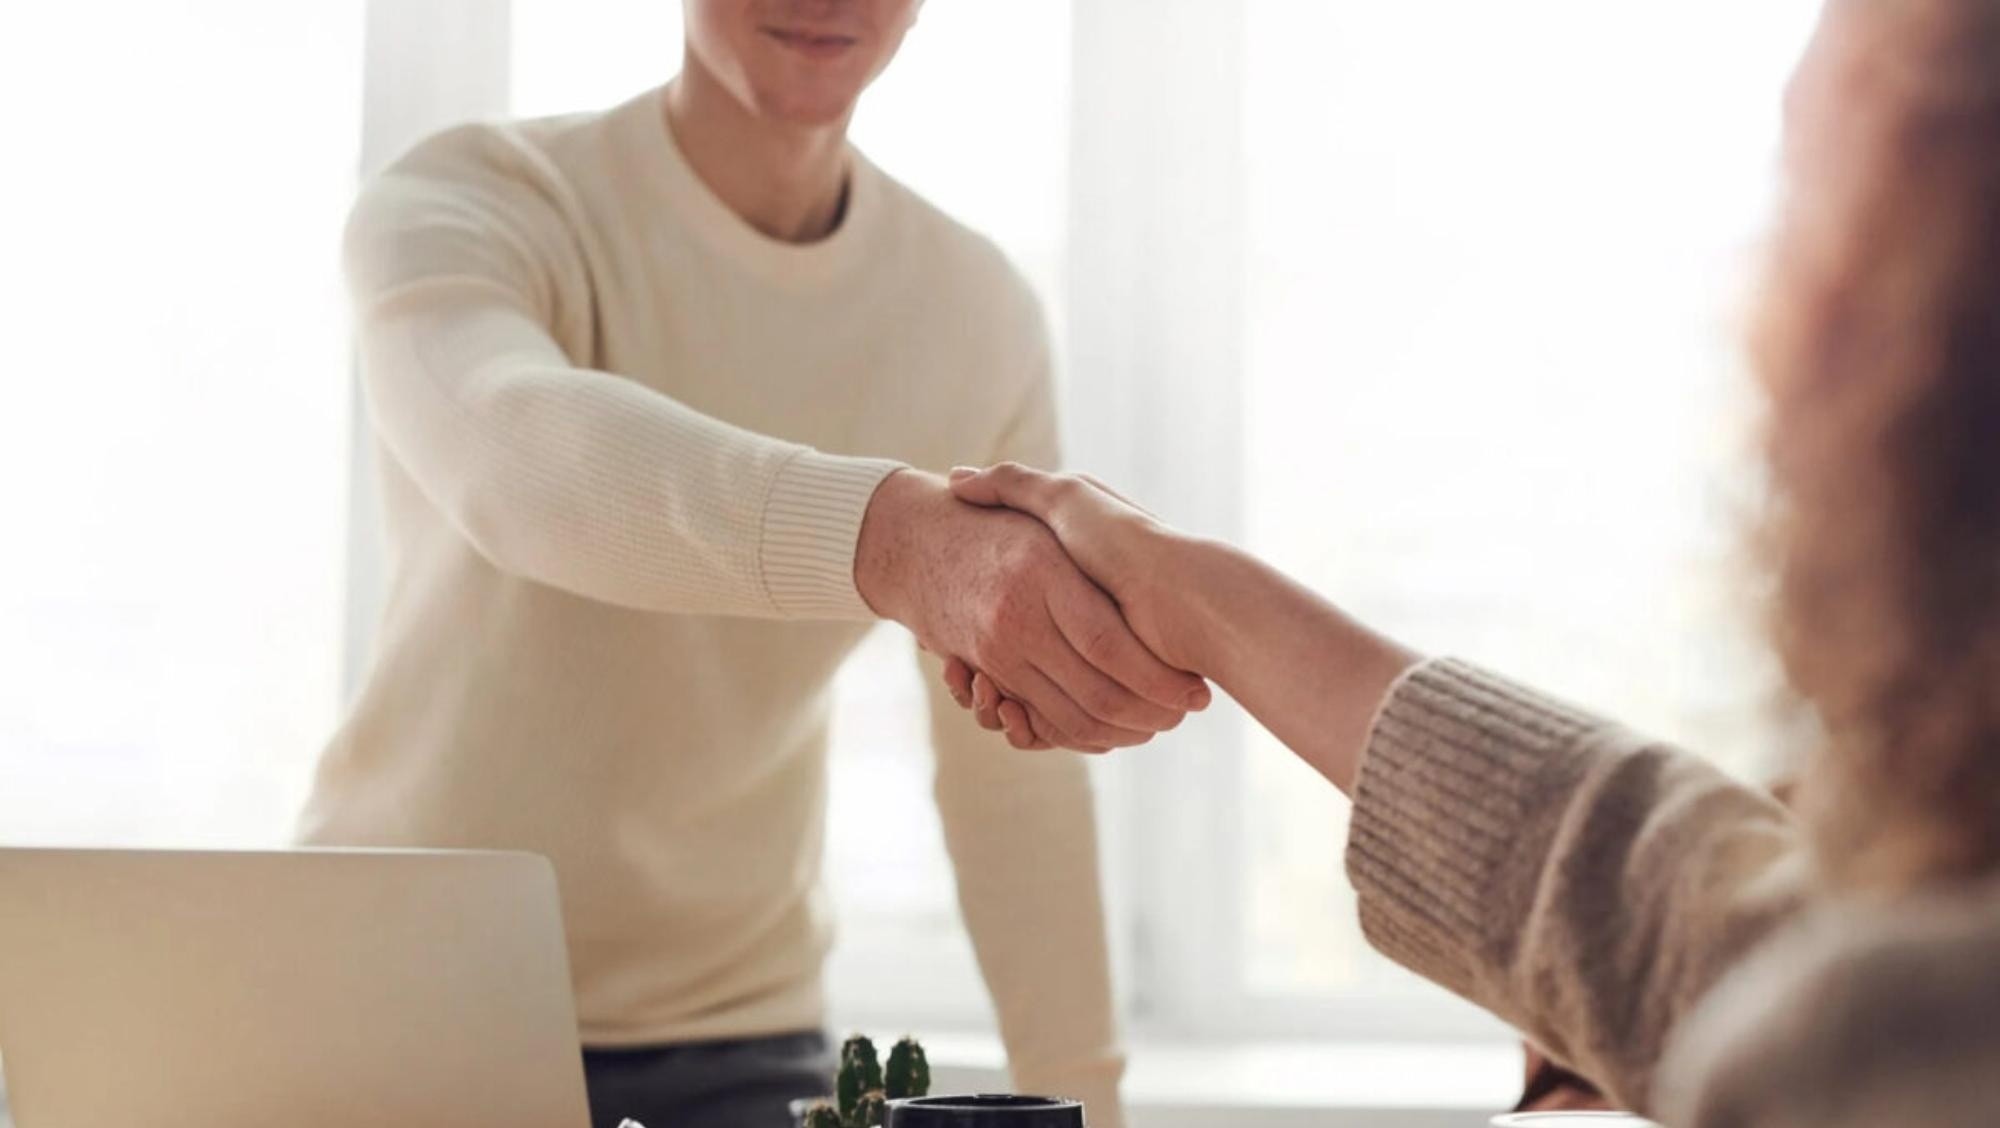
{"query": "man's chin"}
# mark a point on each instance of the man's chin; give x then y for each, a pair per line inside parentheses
(808, 110)
(816, 117)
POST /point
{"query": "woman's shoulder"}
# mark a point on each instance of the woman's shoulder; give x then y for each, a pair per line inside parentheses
(1877, 1012)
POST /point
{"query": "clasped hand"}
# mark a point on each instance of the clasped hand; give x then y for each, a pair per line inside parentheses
(976, 570)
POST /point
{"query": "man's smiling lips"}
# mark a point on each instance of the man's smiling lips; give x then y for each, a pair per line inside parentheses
(812, 44)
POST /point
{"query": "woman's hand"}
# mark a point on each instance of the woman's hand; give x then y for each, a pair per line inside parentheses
(1124, 549)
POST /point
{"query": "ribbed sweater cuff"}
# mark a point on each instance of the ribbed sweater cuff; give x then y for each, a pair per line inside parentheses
(812, 519)
(1463, 774)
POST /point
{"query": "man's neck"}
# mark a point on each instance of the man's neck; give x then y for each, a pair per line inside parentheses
(788, 181)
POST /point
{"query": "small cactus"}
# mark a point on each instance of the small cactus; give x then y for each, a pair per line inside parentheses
(860, 1073)
(871, 1110)
(862, 1092)
(908, 1073)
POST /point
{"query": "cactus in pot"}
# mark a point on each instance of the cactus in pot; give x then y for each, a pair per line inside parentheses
(871, 1110)
(909, 1071)
(863, 1089)
(860, 1073)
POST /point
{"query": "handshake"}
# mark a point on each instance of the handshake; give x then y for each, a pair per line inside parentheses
(1051, 598)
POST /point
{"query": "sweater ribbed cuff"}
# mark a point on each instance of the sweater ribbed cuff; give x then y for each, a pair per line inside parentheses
(1460, 776)
(812, 519)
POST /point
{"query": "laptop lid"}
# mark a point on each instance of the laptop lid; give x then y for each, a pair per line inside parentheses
(315, 989)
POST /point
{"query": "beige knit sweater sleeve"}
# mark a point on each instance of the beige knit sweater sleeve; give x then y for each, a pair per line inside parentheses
(464, 278)
(1586, 885)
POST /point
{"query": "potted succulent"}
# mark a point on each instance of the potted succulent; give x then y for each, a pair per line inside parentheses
(868, 1095)
(864, 1087)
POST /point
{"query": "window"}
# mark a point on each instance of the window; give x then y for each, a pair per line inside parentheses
(1492, 388)
(173, 454)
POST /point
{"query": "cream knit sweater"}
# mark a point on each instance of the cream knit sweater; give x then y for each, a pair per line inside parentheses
(1657, 927)
(626, 445)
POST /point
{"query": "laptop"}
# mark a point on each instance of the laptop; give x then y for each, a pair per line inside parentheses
(313, 989)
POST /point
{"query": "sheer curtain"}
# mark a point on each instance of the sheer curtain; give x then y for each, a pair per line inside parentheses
(1437, 306)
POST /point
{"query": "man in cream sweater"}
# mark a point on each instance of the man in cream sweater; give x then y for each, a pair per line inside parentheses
(652, 387)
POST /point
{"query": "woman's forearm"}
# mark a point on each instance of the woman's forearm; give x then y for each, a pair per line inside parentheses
(1308, 672)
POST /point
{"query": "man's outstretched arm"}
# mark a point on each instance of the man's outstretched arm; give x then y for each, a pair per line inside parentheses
(461, 268)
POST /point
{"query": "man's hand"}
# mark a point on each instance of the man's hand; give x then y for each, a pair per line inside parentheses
(995, 590)
(1121, 547)
(1137, 559)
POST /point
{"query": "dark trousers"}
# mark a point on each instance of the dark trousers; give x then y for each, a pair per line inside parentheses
(743, 1083)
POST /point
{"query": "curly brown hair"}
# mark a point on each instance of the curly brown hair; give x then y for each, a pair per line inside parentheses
(1878, 342)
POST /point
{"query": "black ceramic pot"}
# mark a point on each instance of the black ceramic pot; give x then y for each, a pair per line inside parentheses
(985, 1112)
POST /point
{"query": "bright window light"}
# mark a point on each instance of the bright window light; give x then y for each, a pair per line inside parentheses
(1493, 388)
(173, 456)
